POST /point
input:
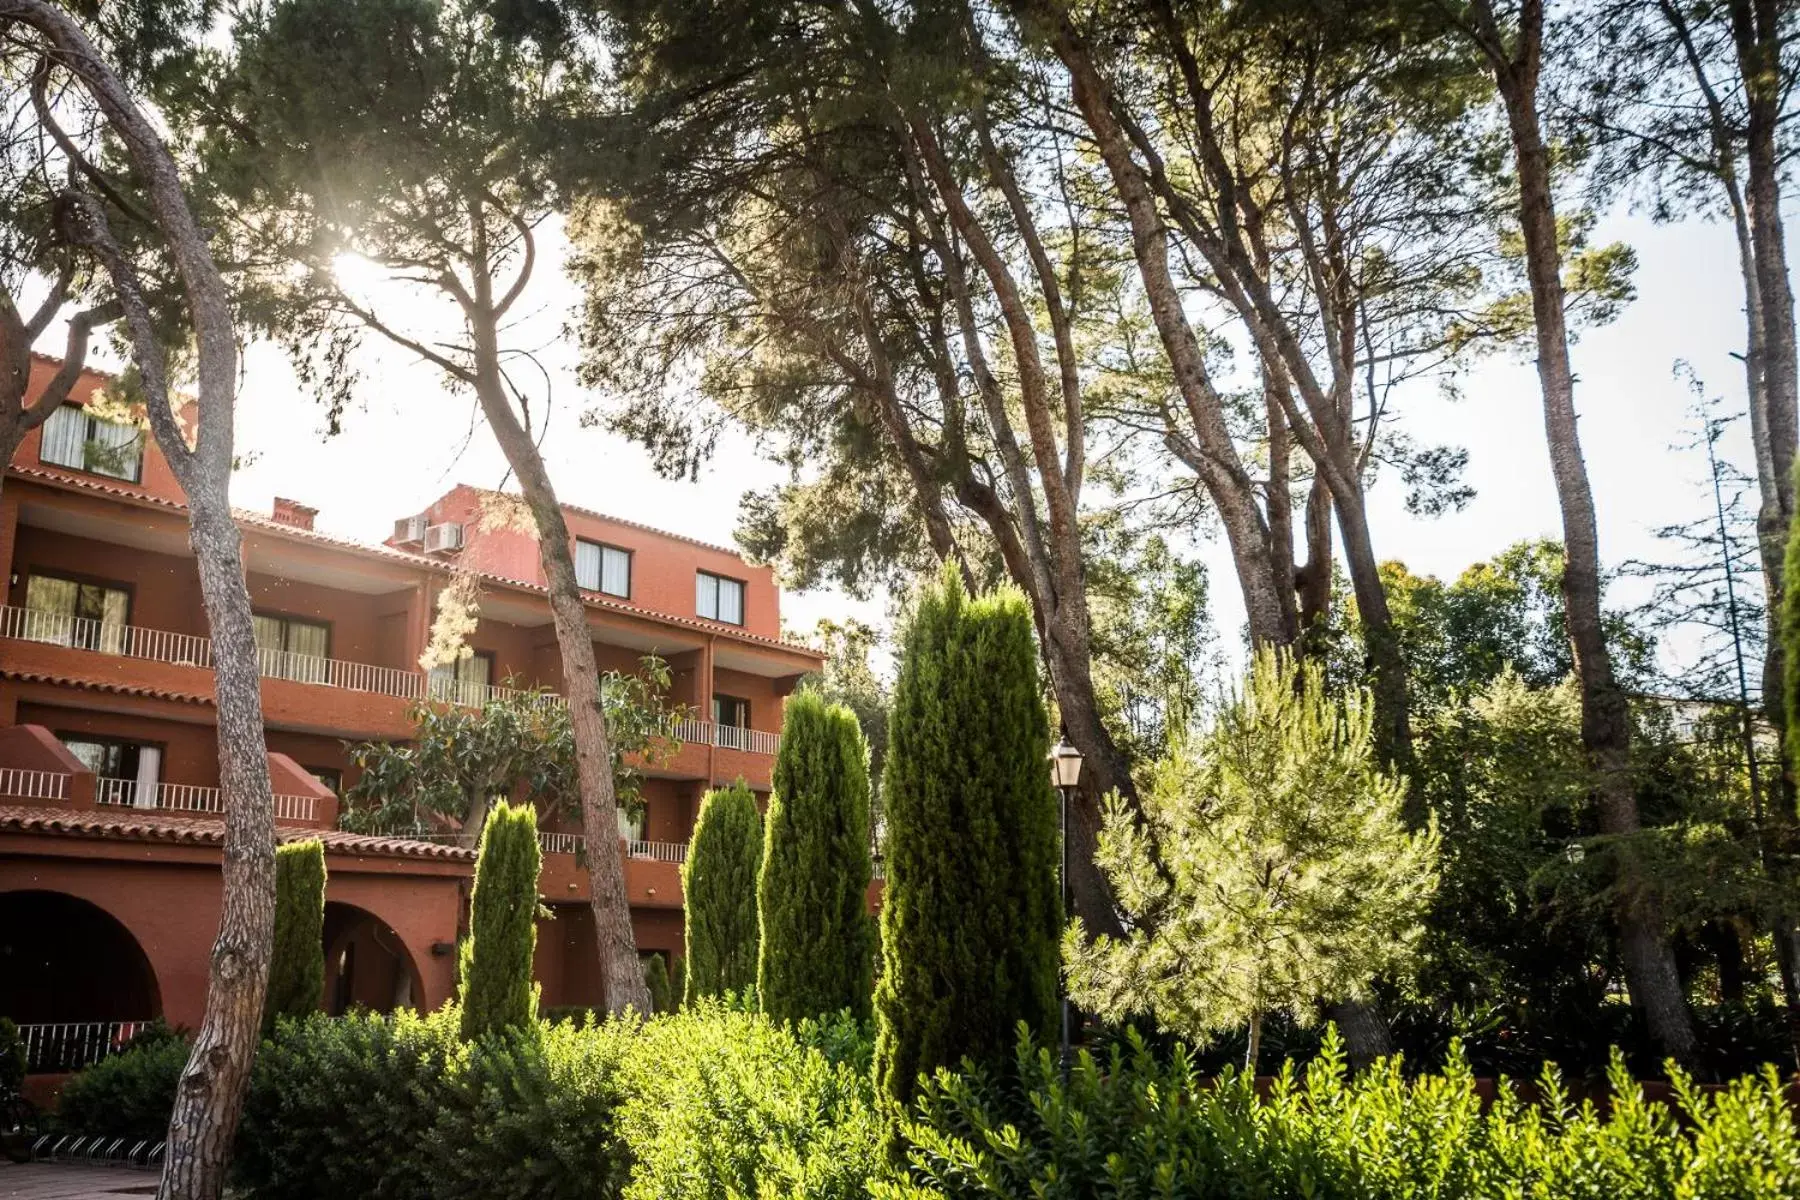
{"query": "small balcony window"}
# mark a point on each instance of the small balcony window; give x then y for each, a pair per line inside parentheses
(68, 612)
(292, 648)
(720, 599)
(602, 568)
(465, 681)
(72, 438)
(128, 772)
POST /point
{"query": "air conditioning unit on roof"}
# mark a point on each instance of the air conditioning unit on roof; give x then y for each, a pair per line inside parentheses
(410, 530)
(441, 538)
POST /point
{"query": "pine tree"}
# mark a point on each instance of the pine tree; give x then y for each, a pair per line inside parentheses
(497, 989)
(297, 955)
(812, 898)
(1272, 867)
(718, 883)
(970, 918)
(1790, 642)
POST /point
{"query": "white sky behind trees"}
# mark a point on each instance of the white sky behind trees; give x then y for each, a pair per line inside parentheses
(408, 439)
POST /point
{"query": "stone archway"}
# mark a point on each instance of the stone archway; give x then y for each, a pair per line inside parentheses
(367, 964)
(65, 960)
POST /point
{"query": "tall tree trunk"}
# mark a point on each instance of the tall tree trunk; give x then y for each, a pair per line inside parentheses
(1649, 962)
(209, 1098)
(621, 973)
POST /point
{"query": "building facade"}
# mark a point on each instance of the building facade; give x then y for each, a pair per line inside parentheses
(109, 827)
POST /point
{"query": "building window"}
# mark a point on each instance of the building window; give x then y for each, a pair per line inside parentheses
(68, 612)
(292, 648)
(331, 777)
(631, 825)
(128, 771)
(72, 438)
(465, 681)
(731, 722)
(719, 598)
(601, 568)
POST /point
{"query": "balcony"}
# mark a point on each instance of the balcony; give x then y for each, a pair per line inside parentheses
(575, 843)
(20, 784)
(66, 1046)
(187, 650)
(187, 798)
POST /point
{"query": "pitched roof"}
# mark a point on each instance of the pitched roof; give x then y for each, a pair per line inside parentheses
(117, 689)
(132, 826)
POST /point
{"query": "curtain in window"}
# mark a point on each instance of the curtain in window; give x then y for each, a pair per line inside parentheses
(308, 644)
(464, 681)
(630, 828)
(731, 601)
(117, 450)
(587, 565)
(615, 571)
(50, 610)
(706, 595)
(65, 437)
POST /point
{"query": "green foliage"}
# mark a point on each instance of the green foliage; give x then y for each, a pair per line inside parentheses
(849, 680)
(12, 1056)
(812, 894)
(297, 954)
(718, 885)
(460, 759)
(1790, 640)
(656, 979)
(497, 989)
(724, 1102)
(128, 1094)
(1135, 1125)
(403, 1107)
(970, 915)
(1271, 867)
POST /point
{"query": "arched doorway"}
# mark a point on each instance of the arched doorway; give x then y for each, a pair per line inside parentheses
(65, 960)
(366, 964)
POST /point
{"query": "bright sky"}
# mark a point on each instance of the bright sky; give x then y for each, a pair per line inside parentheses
(410, 440)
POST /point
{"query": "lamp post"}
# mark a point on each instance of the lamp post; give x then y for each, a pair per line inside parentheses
(1065, 773)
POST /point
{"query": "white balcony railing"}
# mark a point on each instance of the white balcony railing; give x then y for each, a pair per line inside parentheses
(55, 1049)
(573, 843)
(183, 649)
(19, 784)
(730, 737)
(183, 797)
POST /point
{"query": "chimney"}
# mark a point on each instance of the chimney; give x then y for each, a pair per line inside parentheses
(294, 513)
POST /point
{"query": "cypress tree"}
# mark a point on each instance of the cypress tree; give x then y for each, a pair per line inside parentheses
(970, 918)
(297, 954)
(812, 897)
(656, 978)
(718, 883)
(497, 989)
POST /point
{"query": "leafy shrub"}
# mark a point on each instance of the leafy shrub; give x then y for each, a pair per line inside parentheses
(12, 1056)
(725, 1102)
(401, 1107)
(1142, 1126)
(127, 1094)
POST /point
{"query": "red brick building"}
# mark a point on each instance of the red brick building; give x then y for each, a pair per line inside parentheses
(109, 835)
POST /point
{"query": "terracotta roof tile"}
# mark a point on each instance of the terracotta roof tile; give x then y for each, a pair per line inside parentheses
(116, 689)
(133, 826)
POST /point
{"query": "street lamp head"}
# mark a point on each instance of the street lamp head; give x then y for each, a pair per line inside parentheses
(1065, 764)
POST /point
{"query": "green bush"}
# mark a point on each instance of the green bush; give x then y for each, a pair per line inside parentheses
(127, 1094)
(1140, 1126)
(297, 953)
(723, 1102)
(497, 989)
(656, 978)
(12, 1056)
(403, 1108)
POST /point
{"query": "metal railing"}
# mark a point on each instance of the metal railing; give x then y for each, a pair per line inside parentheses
(17, 783)
(184, 649)
(729, 737)
(55, 1049)
(575, 843)
(187, 797)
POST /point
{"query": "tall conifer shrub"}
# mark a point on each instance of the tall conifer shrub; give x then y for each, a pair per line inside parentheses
(718, 883)
(297, 956)
(813, 895)
(497, 990)
(970, 918)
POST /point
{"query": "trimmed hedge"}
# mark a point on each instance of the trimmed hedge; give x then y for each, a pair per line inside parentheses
(127, 1094)
(297, 953)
